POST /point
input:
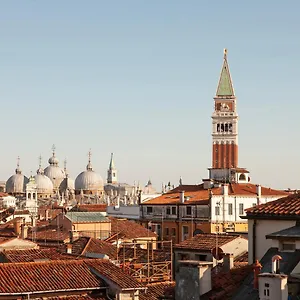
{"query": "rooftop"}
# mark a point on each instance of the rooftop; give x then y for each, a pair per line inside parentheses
(86, 217)
(90, 208)
(206, 242)
(129, 229)
(196, 194)
(286, 207)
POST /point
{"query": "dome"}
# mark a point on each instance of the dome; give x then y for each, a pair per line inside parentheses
(16, 183)
(89, 180)
(67, 184)
(54, 172)
(43, 183)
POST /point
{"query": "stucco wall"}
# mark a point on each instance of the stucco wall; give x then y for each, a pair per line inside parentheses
(263, 228)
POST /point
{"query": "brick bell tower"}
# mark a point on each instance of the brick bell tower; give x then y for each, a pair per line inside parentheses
(225, 122)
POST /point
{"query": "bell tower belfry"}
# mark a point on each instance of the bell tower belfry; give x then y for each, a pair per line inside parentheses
(112, 174)
(225, 122)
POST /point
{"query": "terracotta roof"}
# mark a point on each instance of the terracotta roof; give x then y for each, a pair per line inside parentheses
(85, 245)
(224, 284)
(110, 271)
(129, 229)
(156, 291)
(78, 297)
(206, 242)
(196, 194)
(90, 207)
(141, 255)
(49, 233)
(31, 255)
(50, 211)
(46, 276)
(285, 207)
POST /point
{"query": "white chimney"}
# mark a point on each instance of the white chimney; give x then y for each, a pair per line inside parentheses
(69, 248)
(188, 288)
(228, 262)
(258, 193)
(181, 197)
(275, 263)
(272, 286)
(225, 189)
(24, 231)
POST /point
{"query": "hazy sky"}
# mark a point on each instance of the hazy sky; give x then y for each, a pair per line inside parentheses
(137, 78)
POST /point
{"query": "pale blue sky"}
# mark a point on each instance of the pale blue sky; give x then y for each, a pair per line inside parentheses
(137, 78)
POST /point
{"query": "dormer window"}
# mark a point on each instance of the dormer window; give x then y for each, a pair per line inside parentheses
(288, 246)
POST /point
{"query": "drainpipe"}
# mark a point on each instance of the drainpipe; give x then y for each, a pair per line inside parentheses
(254, 241)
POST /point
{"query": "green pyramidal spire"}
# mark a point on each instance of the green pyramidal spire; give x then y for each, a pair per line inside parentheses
(225, 87)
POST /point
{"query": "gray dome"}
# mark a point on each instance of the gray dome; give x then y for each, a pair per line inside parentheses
(16, 183)
(67, 184)
(89, 180)
(43, 183)
(54, 172)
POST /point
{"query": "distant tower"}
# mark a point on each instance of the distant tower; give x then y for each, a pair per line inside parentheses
(225, 123)
(112, 171)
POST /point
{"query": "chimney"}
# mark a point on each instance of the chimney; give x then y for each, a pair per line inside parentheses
(181, 197)
(193, 279)
(273, 286)
(17, 226)
(258, 193)
(228, 262)
(47, 214)
(256, 270)
(275, 264)
(69, 248)
(74, 235)
(24, 231)
(225, 189)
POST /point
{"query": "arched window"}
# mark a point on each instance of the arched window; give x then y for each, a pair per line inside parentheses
(222, 127)
(242, 177)
(218, 127)
(29, 195)
(226, 127)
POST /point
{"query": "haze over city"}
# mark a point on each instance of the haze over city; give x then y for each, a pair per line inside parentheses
(138, 79)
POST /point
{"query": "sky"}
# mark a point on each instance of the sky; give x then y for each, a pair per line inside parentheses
(137, 78)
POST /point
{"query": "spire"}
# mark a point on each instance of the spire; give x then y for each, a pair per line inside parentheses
(89, 165)
(225, 87)
(111, 164)
(18, 170)
(65, 167)
(40, 169)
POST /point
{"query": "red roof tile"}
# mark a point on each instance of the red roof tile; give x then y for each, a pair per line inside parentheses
(156, 291)
(206, 242)
(85, 245)
(49, 233)
(287, 206)
(196, 194)
(129, 229)
(46, 276)
(90, 207)
(31, 255)
(110, 271)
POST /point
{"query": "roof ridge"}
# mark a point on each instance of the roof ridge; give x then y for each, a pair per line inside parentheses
(86, 245)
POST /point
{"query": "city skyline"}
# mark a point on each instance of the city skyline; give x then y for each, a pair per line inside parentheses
(139, 79)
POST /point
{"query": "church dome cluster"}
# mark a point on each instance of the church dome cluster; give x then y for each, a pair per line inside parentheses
(54, 180)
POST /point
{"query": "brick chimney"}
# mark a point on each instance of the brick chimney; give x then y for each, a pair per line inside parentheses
(228, 262)
(17, 226)
(193, 279)
(256, 270)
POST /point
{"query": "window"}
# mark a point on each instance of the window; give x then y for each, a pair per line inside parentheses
(242, 177)
(184, 256)
(217, 210)
(167, 231)
(201, 257)
(173, 230)
(171, 210)
(230, 209)
(288, 246)
(267, 289)
(185, 229)
(254, 204)
(188, 210)
(241, 208)
(149, 209)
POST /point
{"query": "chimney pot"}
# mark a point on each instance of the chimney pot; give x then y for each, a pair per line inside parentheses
(24, 231)
(69, 248)
(228, 263)
(182, 197)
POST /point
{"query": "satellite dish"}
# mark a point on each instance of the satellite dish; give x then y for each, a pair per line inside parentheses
(217, 253)
(197, 231)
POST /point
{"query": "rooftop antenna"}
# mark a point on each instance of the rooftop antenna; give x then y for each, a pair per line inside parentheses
(18, 162)
(53, 150)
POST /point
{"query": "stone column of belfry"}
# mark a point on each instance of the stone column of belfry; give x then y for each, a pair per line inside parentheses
(225, 122)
